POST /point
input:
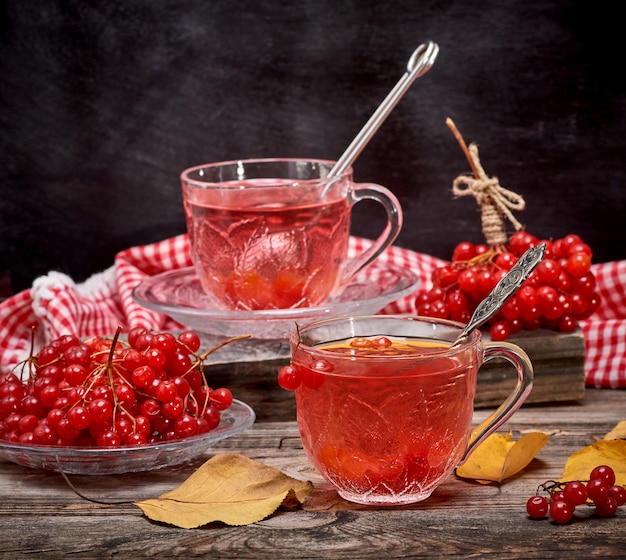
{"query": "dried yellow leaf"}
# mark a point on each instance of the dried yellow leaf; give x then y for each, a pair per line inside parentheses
(499, 457)
(619, 432)
(604, 452)
(230, 488)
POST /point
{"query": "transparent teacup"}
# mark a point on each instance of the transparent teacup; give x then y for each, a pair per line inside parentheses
(385, 405)
(274, 233)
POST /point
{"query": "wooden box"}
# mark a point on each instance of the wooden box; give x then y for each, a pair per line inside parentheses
(558, 362)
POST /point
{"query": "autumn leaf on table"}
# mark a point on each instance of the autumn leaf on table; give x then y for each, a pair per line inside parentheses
(499, 457)
(608, 451)
(230, 488)
(619, 432)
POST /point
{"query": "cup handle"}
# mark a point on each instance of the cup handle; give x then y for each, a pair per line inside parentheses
(525, 375)
(372, 191)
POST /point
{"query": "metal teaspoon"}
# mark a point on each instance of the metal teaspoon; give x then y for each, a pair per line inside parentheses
(505, 288)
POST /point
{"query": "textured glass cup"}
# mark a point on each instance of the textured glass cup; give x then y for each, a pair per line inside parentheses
(387, 423)
(274, 233)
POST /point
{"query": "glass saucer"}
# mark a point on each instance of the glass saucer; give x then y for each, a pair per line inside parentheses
(92, 460)
(178, 293)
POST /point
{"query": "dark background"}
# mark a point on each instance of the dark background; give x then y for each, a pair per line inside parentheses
(103, 104)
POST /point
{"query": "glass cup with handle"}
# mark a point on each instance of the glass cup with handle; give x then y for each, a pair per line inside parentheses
(274, 233)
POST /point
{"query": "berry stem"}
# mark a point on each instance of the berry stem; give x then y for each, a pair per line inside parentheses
(221, 344)
(200, 363)
(463, 145)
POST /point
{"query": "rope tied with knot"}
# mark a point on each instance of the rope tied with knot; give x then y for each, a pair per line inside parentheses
(495, 201)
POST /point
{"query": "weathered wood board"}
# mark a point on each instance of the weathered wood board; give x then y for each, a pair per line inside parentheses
(42, 517)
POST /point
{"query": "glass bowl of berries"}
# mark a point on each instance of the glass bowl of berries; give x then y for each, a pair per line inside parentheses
(109, 406)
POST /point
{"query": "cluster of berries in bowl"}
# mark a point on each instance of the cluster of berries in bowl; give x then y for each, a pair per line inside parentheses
(107, 393)
(558, 294)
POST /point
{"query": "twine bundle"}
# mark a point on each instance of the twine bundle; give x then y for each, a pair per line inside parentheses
(496, 202)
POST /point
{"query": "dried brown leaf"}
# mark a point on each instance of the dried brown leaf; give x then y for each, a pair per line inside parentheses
(230, 488)
(499, 457)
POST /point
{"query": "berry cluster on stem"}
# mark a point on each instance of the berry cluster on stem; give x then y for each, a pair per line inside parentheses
(562, 499)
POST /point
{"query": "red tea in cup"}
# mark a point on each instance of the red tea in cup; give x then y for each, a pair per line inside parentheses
(273, 234)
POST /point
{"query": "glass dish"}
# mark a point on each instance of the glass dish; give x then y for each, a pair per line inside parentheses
(178, 293)
(91, 461)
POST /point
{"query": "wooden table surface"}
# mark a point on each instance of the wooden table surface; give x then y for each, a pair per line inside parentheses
(42, 517)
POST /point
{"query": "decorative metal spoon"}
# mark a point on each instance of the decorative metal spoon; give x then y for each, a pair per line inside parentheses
(505, 288)
(420, 62)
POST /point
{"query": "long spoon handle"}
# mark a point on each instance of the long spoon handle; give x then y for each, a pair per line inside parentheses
(420, 62)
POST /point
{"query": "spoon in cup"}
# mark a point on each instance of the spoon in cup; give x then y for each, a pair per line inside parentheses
(505, 288)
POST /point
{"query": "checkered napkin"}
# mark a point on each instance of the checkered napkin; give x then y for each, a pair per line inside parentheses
(57, 305)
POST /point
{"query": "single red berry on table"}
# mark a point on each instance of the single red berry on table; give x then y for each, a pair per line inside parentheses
(537, 507)
(607, 507)
(561, 511)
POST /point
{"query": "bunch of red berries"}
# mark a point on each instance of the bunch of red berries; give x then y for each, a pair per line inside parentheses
(103, 392)
(600, 491)
(558, 294)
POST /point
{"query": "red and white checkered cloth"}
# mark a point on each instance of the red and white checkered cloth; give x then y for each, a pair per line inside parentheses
(59, 306)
